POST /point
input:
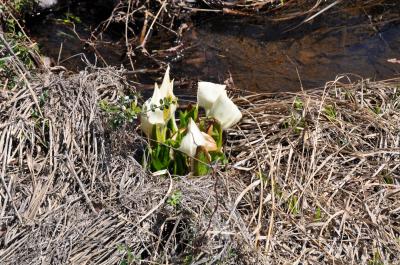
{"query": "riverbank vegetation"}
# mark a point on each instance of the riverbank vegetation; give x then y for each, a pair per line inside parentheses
(310, 176)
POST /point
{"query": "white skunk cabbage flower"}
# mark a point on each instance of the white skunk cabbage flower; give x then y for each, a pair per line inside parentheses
(225, 111)
(151, 113)
(192, 140)
(167, 94)
(167, 85)
(155, 110)
(207, 94)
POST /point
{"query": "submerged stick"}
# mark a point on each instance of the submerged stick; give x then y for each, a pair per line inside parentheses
(143, 44)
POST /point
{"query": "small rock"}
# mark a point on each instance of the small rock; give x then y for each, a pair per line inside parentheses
(47, 3)
(47, 62)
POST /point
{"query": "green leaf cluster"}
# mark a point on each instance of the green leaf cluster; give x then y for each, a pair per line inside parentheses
(162, 151)
(125, 110)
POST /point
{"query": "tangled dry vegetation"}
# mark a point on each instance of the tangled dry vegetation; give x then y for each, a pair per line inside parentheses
(313, 178)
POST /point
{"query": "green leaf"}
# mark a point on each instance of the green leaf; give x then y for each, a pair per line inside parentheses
(217, 134)
(160, 133)
(121, 248)
(201, 163)
(218, 156)
(159, 157)
(172, 127)
(190, 112)
(179, 164)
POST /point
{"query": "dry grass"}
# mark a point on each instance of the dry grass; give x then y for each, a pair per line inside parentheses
(307, 183)
(68, 196)
(331, 193)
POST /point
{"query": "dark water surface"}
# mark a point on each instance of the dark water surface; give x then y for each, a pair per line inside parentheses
(259, 54)
(262, 58)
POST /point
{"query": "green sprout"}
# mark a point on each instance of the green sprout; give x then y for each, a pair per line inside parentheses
(293, 205)
(377, 110)
(318, 214)
(128, 257)
(298, 104)
(175, 199)
(330, 112)
(296, 122)
(376, 259)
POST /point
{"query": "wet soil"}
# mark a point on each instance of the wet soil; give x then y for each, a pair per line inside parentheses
(261, 55)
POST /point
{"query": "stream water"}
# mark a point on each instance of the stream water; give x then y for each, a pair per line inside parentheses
(261, 55)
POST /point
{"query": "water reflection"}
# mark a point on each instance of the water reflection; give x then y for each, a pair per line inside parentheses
(273, 60)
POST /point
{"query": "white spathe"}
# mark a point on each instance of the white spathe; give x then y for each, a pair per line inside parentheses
(167, 85)
(192, 140)
(207, 94)
(154, 110)
(225, 111)
(167, 92)
(151, 113)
